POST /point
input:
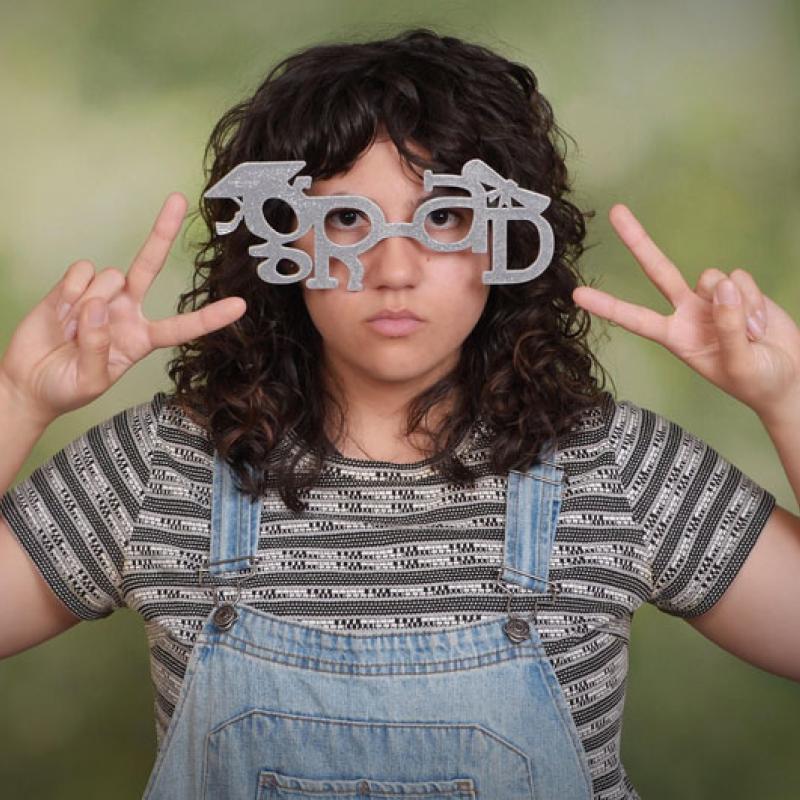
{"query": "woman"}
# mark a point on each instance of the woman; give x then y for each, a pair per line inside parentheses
(386, 559)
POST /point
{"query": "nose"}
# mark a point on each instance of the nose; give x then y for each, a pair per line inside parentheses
(395, 262)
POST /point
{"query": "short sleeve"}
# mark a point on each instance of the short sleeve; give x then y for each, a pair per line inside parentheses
(700, 515)
(74, 514)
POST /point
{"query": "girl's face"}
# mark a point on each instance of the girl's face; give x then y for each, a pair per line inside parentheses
(444, 290)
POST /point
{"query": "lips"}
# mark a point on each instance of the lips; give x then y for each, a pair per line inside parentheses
(387, 313)
(393, 323)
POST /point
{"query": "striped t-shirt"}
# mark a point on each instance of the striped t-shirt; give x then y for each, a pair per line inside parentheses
(121, 516)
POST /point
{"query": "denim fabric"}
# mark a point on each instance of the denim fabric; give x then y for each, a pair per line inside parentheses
(272, 708)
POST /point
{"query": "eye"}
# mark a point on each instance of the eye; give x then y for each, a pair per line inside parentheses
(344, 218)
(347, 226)
(444, 218)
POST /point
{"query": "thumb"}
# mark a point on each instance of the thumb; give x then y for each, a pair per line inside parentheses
(729, 319)
(93, 345)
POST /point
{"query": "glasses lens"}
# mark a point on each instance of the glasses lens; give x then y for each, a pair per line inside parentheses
(347, 226)
(448, 225)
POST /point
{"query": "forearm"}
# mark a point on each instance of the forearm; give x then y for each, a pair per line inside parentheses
(783, 426)
(19, 432)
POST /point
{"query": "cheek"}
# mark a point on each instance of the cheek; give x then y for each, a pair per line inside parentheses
(463, 316)
(461, 292)
(319, 308)
(332, 313)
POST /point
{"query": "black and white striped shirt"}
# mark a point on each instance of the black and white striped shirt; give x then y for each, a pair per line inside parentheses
(121, 517)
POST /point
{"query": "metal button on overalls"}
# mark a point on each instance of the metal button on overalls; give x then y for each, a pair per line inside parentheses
(224, 616)
(517, 630)
(282, 709)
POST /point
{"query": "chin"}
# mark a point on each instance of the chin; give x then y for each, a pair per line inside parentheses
(392, 372)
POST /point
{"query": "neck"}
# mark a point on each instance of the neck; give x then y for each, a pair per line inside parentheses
(376, 413)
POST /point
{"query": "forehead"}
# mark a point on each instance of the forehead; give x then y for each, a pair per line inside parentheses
(380, 165)
(385, 178)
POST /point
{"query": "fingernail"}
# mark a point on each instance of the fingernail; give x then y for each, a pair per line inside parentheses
(63, 310)
(762, 318)
(726, 292)
(755, 327)
(98, 315)
(72, 326)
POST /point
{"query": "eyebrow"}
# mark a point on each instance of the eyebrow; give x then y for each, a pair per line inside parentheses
(437, 191)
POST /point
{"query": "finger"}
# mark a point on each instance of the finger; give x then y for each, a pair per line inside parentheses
(185, 327)
(753, 299)
(636, 319)
(153, 253)
(105, 285)
(72, 285)
(754, 304)
(729, 320)
(658, 268)
(93, 347)
(707, 282)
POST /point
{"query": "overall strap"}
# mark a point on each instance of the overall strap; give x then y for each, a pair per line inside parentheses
(533, 500)
(235, 522)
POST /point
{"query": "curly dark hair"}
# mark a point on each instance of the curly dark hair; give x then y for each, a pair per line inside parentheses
(525, 369)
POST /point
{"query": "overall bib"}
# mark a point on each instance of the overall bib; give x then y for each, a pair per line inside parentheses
(272, 708)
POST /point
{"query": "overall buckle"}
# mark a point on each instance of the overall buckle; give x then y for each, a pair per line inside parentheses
(225, 614)
(517, 627)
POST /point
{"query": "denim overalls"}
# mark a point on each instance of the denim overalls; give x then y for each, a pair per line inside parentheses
(272, 708)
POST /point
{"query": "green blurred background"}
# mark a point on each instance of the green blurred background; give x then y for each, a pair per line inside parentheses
(687, 112)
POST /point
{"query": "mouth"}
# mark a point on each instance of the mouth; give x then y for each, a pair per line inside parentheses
(395, 323)
(401, 313)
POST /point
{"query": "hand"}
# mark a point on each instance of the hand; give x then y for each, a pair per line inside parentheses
(89, 330)
(762, 370)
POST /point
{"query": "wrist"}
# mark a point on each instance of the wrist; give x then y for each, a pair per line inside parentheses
(18, 410)
(782, 414)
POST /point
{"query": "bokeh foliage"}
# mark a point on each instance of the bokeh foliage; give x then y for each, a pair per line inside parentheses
(687, 112)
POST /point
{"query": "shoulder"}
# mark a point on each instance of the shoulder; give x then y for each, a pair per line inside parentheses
(603, 422)
(143, 436)
(625, 429)
(628, 443)
(182, 459)
(172, 424)
(593, 435)
(141, 420)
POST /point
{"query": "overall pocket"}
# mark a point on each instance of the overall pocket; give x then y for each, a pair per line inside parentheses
(303, 756)
(276, 786)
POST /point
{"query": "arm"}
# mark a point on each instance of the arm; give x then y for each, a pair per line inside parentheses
(19, 432)
(758, 617)
(29, 611)
(712, 331)
(72, 347)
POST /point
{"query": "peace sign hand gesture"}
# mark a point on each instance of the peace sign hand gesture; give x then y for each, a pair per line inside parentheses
(89, 330)
(708, 329)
